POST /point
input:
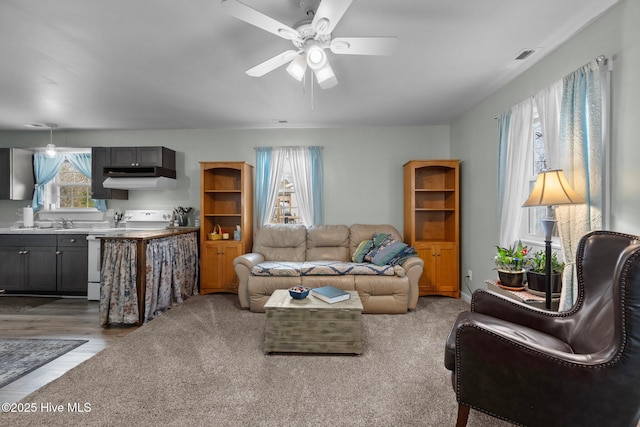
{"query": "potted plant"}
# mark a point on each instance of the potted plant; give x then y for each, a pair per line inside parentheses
(510, 263)
(536, 272)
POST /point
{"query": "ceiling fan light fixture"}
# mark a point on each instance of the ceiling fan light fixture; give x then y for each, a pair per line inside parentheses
(298, 67)
(316, 58)
(326, 77)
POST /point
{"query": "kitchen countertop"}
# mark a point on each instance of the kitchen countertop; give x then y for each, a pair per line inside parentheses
(123, 234)
(106, 233)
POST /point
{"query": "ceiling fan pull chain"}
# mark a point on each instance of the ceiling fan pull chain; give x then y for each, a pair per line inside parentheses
(311, 91)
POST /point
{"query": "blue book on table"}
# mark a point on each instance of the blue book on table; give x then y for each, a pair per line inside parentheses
(330, 294)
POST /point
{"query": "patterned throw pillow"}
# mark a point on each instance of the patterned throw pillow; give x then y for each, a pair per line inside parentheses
(388, 252)
(363, 248)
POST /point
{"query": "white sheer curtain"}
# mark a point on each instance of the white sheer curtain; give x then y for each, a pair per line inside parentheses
(519, 153)
(300, 169)
(548, 102)
(278, 157)
(581, 152)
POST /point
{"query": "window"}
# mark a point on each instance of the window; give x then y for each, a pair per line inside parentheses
(71, 189)
(533, 224)
(286, 208)
(289, 185)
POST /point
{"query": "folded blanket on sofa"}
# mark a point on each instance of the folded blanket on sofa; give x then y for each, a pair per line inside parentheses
(324, 268)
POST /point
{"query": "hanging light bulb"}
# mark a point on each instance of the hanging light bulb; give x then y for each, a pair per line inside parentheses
(50, 151)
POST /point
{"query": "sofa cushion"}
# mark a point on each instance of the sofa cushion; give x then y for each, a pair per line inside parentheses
(337, 268)
(328, 242)
(281, 242)
(276, 268)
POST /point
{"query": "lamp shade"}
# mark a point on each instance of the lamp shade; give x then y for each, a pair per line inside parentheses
(552, 188)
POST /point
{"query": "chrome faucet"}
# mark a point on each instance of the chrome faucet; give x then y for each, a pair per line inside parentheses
(66, 223)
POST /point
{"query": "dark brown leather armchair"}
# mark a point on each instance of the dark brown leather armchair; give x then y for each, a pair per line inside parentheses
(540, 368)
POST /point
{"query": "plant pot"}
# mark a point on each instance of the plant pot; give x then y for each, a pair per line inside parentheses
(511, 279)
(536, 282)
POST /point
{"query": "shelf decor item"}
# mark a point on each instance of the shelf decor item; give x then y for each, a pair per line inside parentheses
(216, 234)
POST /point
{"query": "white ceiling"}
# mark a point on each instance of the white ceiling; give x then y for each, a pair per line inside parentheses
(160, 64)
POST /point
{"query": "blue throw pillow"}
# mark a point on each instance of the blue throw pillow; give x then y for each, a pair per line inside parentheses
(388, 252)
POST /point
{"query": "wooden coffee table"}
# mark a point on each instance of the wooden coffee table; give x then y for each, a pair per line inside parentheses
(311, 325)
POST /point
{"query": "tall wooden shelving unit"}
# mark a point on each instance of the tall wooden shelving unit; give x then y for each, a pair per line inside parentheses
(432, 222)
(226, 199)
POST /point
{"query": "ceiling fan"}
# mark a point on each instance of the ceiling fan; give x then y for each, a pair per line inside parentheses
(310, 38)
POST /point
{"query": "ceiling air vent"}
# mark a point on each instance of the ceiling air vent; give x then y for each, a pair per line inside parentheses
(525, 53)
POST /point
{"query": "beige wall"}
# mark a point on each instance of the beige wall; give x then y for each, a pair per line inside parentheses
(362, 166)
(474, 136)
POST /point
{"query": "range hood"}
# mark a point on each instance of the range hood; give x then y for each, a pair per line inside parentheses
(139, 178)
(140, 183)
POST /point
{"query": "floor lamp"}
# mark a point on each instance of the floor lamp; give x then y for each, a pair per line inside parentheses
(551, 189)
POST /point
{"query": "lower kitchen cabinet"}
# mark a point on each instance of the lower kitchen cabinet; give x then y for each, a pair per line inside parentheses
(43, 264)
(219, 275)
(72, 267)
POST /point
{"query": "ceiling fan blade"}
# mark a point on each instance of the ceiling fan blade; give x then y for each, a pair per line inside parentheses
(260, 20)
(273, 63)
(364, 45)
(329, 14)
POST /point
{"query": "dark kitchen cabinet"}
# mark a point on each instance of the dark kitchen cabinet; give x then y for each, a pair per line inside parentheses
(72, 267)
(28, 263)
(44, 264)
(101, 158)
(16, 174)
(143, 156)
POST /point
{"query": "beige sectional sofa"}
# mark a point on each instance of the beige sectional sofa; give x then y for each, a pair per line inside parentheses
(287, 255)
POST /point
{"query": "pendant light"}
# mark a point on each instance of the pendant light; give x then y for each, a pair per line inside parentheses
(51, 149)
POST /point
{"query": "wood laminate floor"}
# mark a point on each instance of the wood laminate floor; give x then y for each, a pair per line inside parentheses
(66, 318)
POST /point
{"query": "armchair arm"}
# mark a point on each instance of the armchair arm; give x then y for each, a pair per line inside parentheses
(413, 267)
(243, 265)
(501, 307)
(532, 376)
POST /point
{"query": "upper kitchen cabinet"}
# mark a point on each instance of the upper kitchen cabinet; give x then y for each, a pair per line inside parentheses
(101, 158)
(16, 174)
(143, 156)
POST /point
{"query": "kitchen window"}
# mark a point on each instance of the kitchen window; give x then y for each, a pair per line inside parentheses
(70, 189)
(64, 182)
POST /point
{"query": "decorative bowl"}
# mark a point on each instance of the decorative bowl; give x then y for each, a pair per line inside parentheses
(299, 292)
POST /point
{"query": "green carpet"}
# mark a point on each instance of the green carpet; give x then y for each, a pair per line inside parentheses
(18, 357)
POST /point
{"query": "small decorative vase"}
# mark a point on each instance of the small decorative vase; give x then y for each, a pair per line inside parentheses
(511, 279)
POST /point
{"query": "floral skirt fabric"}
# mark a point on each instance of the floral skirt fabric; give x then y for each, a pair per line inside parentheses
(171, 277)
